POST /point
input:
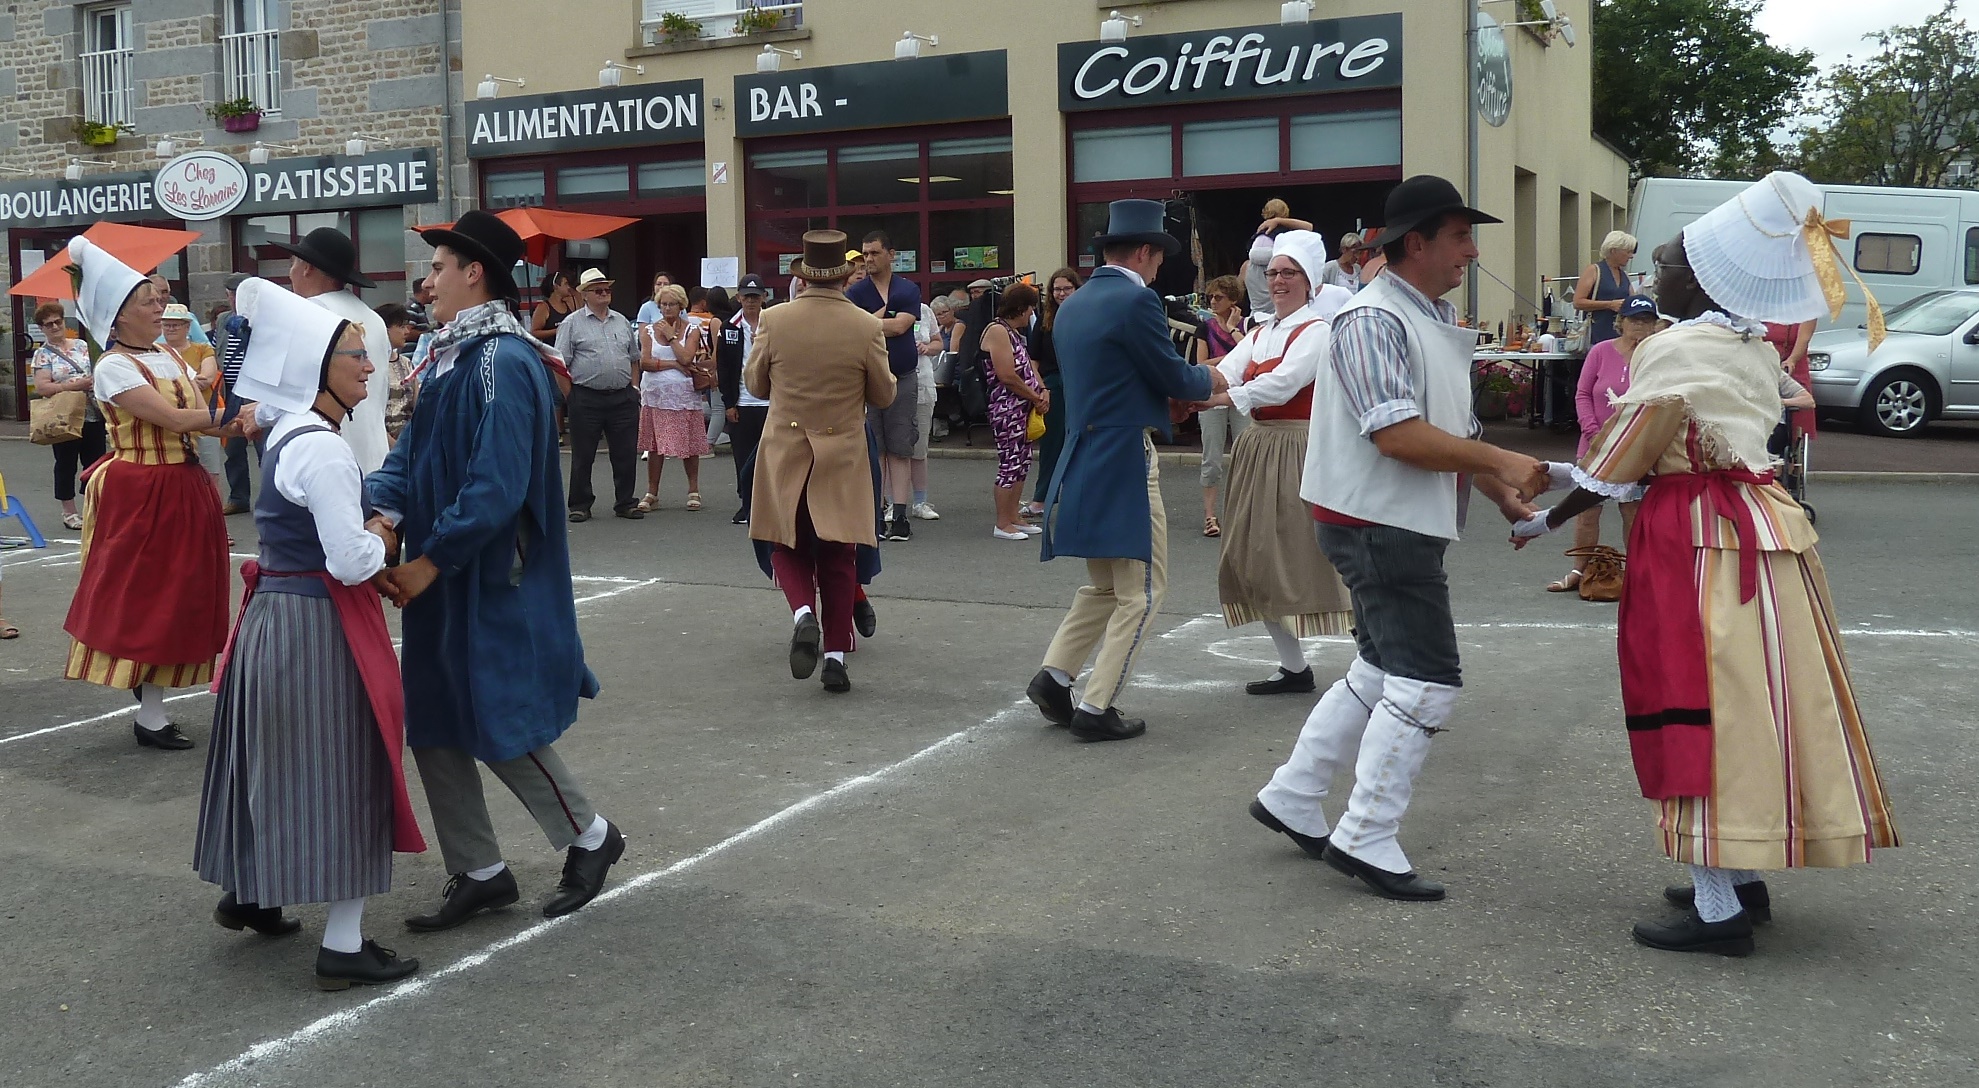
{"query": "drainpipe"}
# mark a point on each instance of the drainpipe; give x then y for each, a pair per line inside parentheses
(1471, 9)
(447, 203)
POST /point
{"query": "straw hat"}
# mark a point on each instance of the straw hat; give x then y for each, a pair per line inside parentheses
(1751, 254)
(593, 275)
(177, 312)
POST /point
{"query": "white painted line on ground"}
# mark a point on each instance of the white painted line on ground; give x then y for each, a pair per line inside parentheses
(241, 1069)
(619, 590)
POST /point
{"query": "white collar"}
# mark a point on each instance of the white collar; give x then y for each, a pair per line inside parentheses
(1130, 274)
(1731, 322)
(1297, 317)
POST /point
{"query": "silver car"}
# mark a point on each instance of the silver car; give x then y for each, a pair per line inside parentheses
(1927, 369)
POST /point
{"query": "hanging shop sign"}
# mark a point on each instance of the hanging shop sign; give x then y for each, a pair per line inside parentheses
(637, 116)
(883, 94)
(1241, 62)
(208, 185)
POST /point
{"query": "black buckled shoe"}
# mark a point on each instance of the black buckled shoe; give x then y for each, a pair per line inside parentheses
(1053, 699)
(368, 966)
(1314, 846)
(836, 679)
(584, 874)
(1690, 933)
(267, 921)
(1087, 726)
(463, 898)
(865, 620)
(1758, 903)
(168, 738)
(1407, 887)
(1285, 683)
(806, 642)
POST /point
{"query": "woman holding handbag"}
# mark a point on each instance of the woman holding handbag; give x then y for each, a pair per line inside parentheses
(61, 367)
(1017, 398)
(672, 401)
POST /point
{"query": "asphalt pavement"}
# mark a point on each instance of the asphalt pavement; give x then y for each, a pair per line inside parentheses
(920, 884)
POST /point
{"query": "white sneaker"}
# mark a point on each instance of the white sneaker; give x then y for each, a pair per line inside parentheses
(997, 532)
(1032, 530)
(925, 512)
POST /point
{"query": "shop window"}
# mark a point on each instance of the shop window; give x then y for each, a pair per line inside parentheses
(1336, 141)
(1889, 254)
(879, 174)
(777, 242)
(979, 240)
(671, 179)
(514, 189)
(790, 179)
(1123, 154)
(576, 184)
(903, 230)
(1972, 255)
(971, 169)
(381, 241)
(1088, 222)
(378, 233)
(1241, 145)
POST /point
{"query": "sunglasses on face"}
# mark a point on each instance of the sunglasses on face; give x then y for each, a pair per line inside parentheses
(54, 324)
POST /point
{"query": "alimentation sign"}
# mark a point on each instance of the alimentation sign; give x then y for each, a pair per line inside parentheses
(636, 116)
(1239, 62)
(208, 185)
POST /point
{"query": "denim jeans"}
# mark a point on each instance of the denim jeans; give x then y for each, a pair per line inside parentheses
(1402, 619)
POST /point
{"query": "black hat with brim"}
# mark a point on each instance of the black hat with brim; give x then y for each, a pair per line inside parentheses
(1422, 199)
(326, 249)
(1137, 223)
(483, 238)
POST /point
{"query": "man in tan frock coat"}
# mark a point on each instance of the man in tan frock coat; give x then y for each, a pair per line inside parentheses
(820, 361)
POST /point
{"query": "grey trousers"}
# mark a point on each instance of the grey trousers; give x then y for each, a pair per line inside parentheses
(460, 813)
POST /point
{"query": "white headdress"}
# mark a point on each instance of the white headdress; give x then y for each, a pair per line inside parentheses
(289, 339)
(106, 284)
(1308, 249)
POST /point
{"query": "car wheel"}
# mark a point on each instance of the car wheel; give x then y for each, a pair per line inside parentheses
(1899, 405)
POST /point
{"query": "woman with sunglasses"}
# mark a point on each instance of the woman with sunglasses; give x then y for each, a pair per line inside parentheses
(61, 365)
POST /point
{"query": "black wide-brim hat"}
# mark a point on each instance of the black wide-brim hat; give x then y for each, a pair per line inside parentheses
(1137, 222)
(483, 238)
(327, 249)
(1424, 198)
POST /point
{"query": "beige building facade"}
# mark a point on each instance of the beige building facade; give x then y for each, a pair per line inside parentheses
(986, 140)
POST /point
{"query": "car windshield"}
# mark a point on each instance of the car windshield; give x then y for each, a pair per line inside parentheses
(1937, 314)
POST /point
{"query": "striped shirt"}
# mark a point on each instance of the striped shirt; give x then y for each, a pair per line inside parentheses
(1371, 358)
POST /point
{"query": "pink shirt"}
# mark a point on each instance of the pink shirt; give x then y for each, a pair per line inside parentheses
(1605, 371)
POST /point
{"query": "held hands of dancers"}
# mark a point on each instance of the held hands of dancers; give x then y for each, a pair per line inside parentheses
(403, 584)
(1531, 529)
(1218, 383)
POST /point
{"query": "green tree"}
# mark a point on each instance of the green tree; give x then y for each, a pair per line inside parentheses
(1692, 87)
(1903, 116)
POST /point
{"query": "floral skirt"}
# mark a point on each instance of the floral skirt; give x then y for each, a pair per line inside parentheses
(673, 432)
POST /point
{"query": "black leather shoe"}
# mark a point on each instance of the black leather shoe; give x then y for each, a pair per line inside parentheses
(1314, 846)
(1758, 903)
(864, 619)
(1053, 699)
(267, 921)
(741, 518)
(1689, 933)
(630, 513)
(837, 680)
(464, 897)
(168, 738)
(368, 966)
(1404, 886)
(1286, 683)
(1087, 726)
(584, 874)
(575, 517)
(806, 642)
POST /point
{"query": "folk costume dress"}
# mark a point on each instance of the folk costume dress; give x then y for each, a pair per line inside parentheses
(1743, 723)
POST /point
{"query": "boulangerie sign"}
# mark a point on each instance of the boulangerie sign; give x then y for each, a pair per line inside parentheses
(204, 185)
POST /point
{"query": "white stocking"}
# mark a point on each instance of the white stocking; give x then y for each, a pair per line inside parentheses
(1717, 895)
(1291, 654)
(151, 707)
(1410, 713)
(344, 932)
(1331, 732)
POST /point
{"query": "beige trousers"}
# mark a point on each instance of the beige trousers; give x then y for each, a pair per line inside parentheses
(1116, 612)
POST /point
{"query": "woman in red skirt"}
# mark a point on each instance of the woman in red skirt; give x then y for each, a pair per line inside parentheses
(150, 612)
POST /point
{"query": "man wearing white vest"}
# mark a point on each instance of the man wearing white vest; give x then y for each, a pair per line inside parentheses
(1392, 441)
(323, 268)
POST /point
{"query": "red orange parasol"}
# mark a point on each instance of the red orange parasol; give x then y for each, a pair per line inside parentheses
(143, 248)
(538, 227)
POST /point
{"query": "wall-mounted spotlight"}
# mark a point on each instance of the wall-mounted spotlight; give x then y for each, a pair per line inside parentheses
(771, 58)
(491, 85)
(258, 154)
(1113, 28)
(909, 45)
(613, 73)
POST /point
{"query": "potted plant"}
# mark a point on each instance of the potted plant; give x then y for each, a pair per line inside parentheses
(676, 27)
(96, 133)
(1493, 394)
(236, 114)
(757, 21)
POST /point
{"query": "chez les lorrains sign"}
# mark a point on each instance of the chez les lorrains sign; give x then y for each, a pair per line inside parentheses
(1240, 62)
(207, 185)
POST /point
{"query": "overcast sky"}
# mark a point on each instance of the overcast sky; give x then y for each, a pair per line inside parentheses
(1833, 29)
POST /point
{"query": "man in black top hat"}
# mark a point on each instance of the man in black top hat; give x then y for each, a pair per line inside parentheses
(323, 267)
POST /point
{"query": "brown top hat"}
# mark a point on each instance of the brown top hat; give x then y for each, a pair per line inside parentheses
(824, 257)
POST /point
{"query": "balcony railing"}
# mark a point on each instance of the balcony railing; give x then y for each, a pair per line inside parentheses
(253, 68)
(106, 87)
(718, 18)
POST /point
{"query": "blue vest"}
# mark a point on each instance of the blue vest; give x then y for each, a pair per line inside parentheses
(289, 544)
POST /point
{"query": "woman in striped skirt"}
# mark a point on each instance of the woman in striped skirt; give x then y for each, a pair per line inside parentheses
(305, 798)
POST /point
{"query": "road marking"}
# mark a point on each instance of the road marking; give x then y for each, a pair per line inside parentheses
(238, 1069)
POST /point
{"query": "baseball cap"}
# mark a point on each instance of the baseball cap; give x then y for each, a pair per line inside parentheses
(1638, 306)
(751, 284)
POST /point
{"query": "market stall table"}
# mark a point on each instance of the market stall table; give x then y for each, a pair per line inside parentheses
(1536, 364)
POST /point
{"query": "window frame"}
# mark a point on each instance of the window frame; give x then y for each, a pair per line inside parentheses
(1971, 256)
(1917, 253)
(250, 55)
(125, 86)
(246, 259)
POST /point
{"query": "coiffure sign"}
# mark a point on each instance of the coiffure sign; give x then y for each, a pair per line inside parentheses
(1241, 62)
(207, 185)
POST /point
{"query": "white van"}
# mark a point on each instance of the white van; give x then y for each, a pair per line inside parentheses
(1903, 242)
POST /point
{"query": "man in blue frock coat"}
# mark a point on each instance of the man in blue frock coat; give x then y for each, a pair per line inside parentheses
(492, 664)
(1120, 369)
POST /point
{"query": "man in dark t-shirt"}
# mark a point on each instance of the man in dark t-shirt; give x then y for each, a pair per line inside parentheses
(897, 303)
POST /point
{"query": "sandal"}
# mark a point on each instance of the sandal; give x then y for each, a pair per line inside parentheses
(8, 630)
(694, 500)
(72, 521)
(649, 504)
(1211, 527)
(1568, 584)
